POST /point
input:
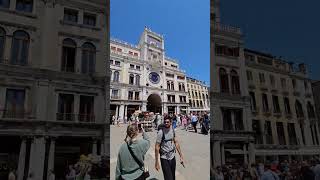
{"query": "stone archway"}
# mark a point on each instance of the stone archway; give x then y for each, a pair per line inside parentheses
(154, 103)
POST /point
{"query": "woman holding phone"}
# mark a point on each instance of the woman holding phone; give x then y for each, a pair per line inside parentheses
(131, 155)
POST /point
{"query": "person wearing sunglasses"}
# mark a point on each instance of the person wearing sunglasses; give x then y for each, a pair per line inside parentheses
(166, 146)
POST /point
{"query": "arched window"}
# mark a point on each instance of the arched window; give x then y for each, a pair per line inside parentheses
(235, 85)
(224, 80)
(20, 48)
(68, 55)
(137, 80)
(88, 58)
(299, 110)
(2, 42)
(131, 79)
(116, 76)
(172, 85)
(310, 109)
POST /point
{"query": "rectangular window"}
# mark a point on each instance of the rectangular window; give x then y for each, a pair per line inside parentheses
(265, 104)
(65, 107)
(287, 105)
(253, 101)
(181, 77)
(258, 133)
(114, 93)
(170, 75)
(138, 67)
(135, 54)
(292, 134)
(70, 15)
(249, 76)
(268, 132)
(14, 106)
(117, 63)
(24, 5)
(111, 61)
(276, 107)
(306, 87)
(136, 96)
(283, 83)
(86, 111)
(294, 83)
(130, 95)
(261, 77)
(113, 48)
(89, 19)
(280, 132)
(119, 49)
(272, 81)
(131, 66)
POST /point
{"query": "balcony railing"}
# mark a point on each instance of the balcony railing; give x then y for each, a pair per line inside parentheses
(115, 97)
(226, 28)
(7, 61)
(86, 118)
(66, 116)
(19, 114)
(72, 117)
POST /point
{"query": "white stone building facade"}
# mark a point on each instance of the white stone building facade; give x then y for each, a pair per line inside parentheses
(262, 107)
(198, 93)
(53, 84)
(144, 78)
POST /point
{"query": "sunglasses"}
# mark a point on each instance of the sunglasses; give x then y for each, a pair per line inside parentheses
(167, 122)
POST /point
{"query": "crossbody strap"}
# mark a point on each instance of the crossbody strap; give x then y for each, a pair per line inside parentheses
(135, 157)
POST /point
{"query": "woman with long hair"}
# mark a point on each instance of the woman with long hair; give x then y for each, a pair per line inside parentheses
(131, 155)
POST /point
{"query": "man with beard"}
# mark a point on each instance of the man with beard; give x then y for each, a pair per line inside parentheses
(166, 145)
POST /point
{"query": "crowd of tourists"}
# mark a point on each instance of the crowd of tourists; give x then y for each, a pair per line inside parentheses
(188, 122)
(285, 170)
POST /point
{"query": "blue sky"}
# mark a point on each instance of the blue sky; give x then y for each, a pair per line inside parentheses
(184, 24)
(287, 28)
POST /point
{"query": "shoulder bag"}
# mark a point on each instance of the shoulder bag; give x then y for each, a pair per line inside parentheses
(145, 173)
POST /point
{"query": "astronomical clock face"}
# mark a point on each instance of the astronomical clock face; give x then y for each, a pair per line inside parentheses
(154, 77)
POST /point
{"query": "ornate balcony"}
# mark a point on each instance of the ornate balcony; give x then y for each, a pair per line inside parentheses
(16, 114)
(72, 117)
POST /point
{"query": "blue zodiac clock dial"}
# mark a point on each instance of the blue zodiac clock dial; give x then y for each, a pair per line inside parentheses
(154, 77)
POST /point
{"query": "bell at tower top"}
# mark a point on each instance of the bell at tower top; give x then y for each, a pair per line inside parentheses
(151, 38)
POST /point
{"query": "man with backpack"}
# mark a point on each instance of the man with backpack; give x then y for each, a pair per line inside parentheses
(166, 146)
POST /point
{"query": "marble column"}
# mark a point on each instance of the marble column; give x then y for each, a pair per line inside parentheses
(245, 154)
(102, 148)
(37, 157)
(216, 154)
(94, 147)
(223, 157)
(252, 156)
(117, 111)
(144, 106)
(121, 112)
(307, 132)
(22, 157)
(125, 112)
(51, 156)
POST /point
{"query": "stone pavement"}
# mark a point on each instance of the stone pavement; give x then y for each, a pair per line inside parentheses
(195, 148)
